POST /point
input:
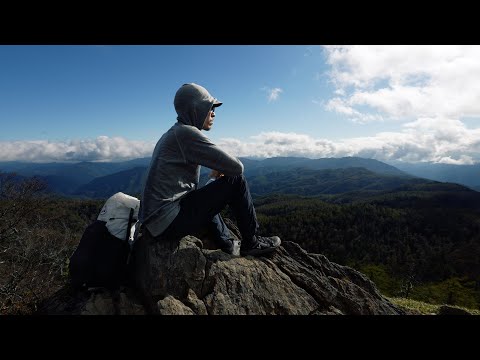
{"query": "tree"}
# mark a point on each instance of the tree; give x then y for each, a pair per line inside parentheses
(21, 200)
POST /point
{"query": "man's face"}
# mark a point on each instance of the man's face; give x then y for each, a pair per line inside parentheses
(208, 123)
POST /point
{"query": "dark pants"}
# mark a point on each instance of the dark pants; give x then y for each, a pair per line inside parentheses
(200, 208)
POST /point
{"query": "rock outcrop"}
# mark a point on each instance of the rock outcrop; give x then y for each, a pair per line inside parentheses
(186, 278)
(451, 310)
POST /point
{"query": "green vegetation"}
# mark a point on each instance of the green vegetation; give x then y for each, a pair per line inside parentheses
(415, 307)
(419, 242)
(38, 234)
(421, 308)
(425, 248)
(453, 291)
(308, 182)
(387, 284)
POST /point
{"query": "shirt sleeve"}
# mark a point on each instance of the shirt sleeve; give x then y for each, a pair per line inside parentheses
(198, 149)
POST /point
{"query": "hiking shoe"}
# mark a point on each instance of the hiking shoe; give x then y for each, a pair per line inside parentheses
(262, 245)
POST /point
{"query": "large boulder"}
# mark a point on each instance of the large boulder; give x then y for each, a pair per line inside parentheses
(183, 277)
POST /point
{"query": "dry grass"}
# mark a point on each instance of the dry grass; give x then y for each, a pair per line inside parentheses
(415, 307)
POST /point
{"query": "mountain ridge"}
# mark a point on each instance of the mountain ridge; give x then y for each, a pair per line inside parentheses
(468, 175)
(80, 179)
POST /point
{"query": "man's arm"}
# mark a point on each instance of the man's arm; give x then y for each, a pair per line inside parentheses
(198, 149)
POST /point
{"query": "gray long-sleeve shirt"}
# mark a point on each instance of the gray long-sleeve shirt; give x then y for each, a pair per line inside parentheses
(175, 166)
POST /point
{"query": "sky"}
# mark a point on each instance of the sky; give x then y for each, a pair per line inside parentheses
(109, 103)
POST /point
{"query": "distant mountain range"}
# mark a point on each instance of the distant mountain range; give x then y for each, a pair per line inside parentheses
(67, 178)
(128, 181)
(468, 175)
(288, 175)
(261, 167)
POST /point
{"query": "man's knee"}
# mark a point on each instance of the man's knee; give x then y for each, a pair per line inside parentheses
(237, 179)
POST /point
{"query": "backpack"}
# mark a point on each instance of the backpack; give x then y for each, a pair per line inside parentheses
(101, 259)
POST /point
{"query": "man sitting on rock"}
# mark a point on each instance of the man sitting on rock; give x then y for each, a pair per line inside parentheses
(172, 205)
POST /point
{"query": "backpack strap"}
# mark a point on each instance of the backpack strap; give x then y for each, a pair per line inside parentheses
(130, 220)
(129, 229)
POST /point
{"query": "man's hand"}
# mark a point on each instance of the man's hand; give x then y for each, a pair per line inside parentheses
(215, 174)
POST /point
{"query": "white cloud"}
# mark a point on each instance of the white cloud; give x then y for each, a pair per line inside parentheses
(272, 93)
(274, 143)
(407, 81)
(440, 140)
(343, 107)
(463, 160)
(421, 140)
(427, 88)
(103, 148)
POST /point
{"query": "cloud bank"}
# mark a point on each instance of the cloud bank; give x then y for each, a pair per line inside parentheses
(420, 140)
(103, 148)
(426, 139)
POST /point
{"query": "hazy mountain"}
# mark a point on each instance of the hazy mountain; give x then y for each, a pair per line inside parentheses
(96, 179)
(462, 174)
(299, 181)
(66, 178)
(79, 173)
(128, 181)
(258, 167)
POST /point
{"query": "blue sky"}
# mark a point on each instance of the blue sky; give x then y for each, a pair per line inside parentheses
(101, 103)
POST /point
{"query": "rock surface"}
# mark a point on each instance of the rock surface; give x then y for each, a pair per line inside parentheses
(185, 278)
(451, 310)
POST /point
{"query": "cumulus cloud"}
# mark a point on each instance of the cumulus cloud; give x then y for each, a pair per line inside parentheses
(428, 89)
(421, 140)
(271, 144)
(103, 148)
(441, 140)
(463, 160)
(406, 81)
(272, 93)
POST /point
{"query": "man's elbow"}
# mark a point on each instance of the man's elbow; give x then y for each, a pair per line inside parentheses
(238, 168)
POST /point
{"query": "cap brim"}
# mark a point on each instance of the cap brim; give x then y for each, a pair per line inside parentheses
(216, 103)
